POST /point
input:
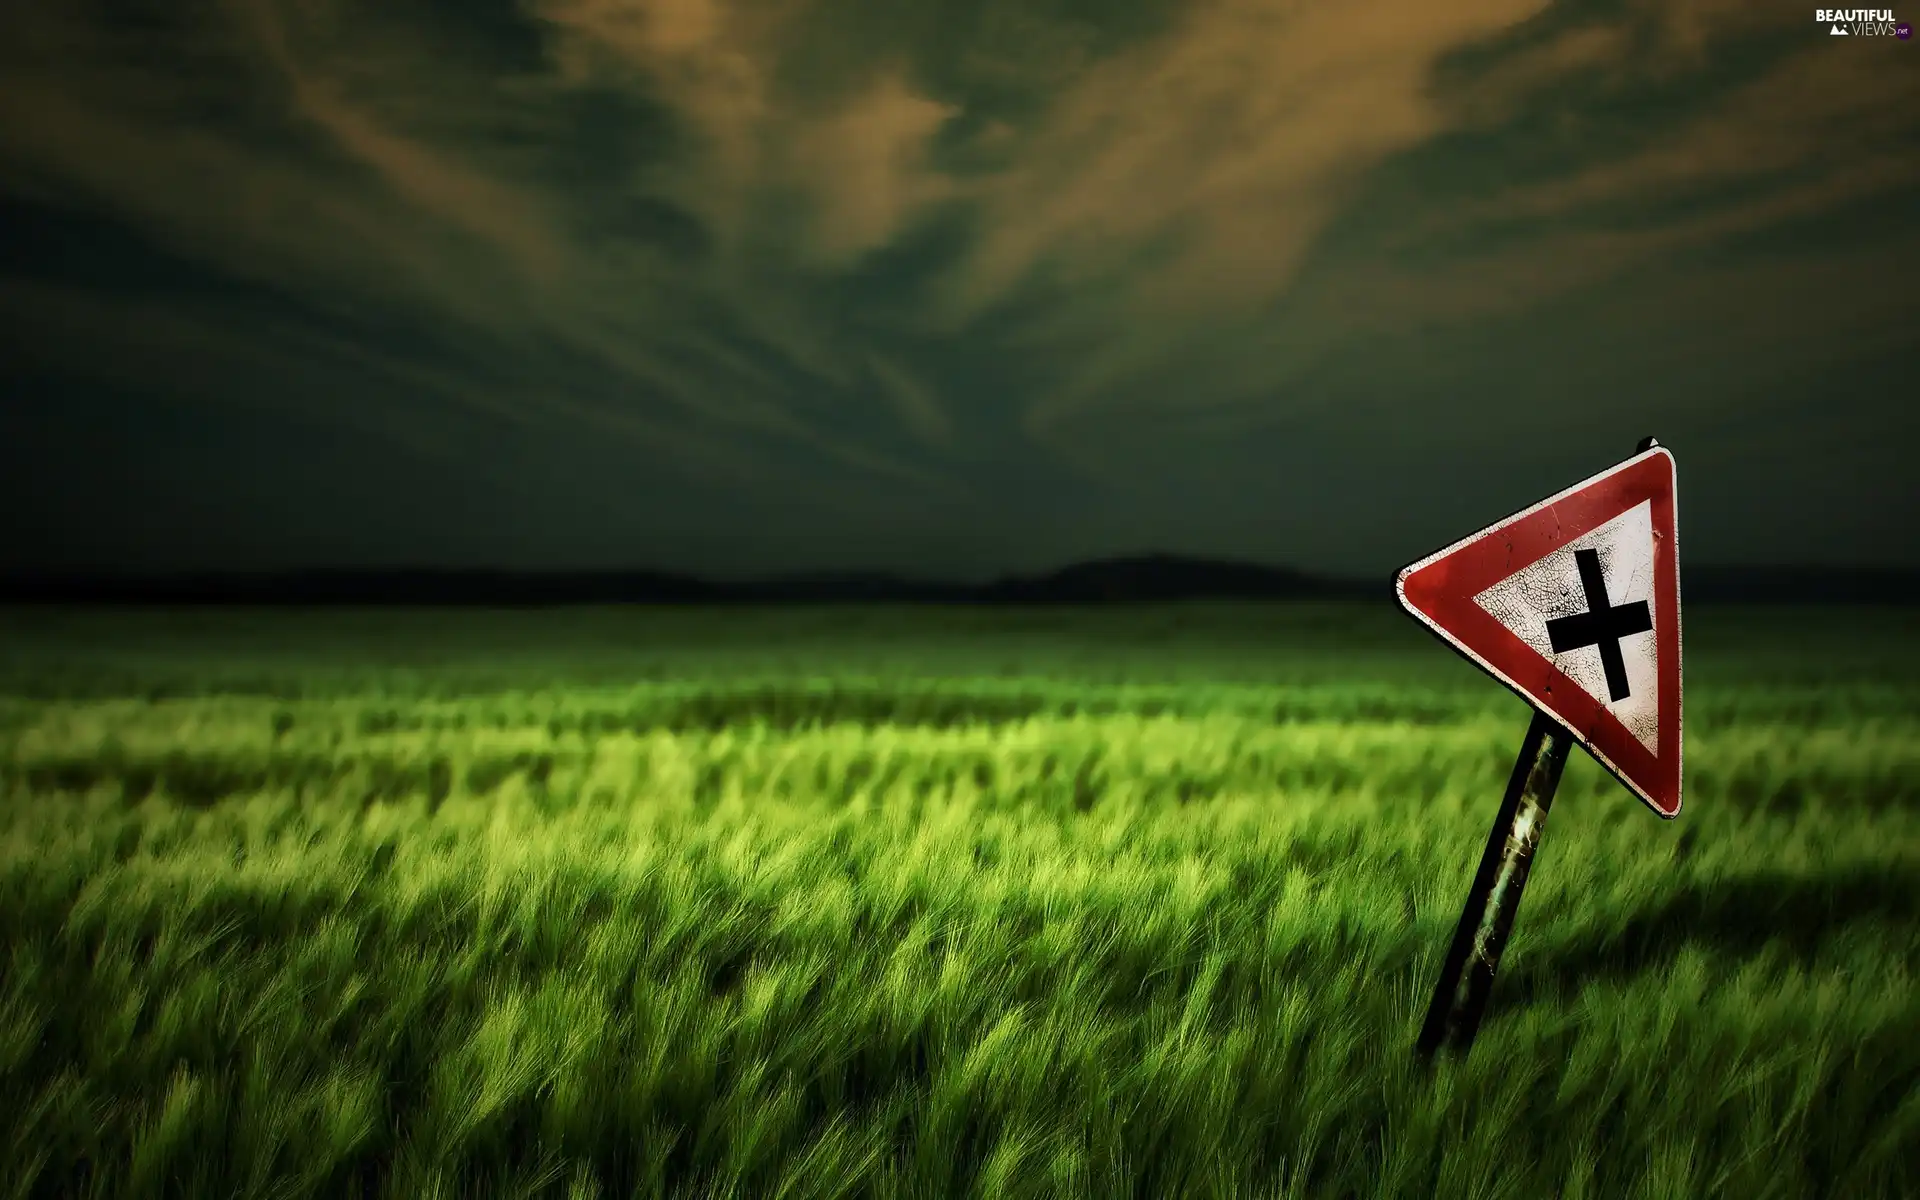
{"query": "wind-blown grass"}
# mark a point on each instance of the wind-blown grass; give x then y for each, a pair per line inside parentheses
(929, 903)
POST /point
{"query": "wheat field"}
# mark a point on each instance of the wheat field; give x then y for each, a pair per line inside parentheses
(927, 903)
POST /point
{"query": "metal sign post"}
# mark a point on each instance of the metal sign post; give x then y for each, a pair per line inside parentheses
(1466, 977)
(1574, 604)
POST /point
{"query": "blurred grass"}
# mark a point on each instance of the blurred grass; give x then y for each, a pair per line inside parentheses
(928, 903)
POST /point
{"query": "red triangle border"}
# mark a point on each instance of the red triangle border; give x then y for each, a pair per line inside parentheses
(1438, 591)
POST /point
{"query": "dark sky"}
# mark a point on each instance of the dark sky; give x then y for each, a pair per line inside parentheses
(953, 286)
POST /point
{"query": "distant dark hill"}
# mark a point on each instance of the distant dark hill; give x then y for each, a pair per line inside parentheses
(851, 587)
(1162, 577)
(1143, 579)
(370, 587)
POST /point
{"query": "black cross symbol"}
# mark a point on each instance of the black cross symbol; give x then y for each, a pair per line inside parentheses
(1602, 625)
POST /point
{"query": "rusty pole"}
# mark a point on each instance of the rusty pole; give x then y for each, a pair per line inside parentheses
(1467, 974)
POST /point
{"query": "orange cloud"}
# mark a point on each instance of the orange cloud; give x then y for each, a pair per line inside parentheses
(858, 162)
(1503, 91)
(1182, 183)
(1813, 135)
(496, 212)
(1818, 110)
(867, 170)
(1817, 133)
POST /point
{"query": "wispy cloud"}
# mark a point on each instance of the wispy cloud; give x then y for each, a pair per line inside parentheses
(496, 212)
(1199, 166)
(915, 400)
(1177, 260)
(852, 158)
(728, 231)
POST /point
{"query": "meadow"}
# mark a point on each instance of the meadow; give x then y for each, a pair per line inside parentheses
(925, 903)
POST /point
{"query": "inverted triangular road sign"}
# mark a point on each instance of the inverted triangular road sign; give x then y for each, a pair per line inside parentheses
(1574, 603)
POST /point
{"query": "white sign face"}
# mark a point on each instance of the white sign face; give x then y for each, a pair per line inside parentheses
(1588, 608)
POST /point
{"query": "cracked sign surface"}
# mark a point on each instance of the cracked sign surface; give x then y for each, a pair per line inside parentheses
(1548, 597)
(1574, 603)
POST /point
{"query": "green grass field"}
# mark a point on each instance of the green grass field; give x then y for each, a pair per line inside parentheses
(927, 903)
